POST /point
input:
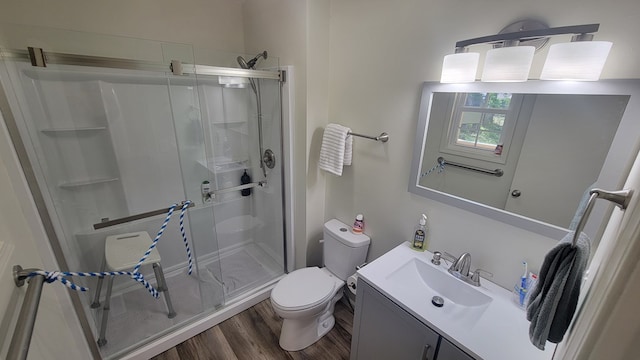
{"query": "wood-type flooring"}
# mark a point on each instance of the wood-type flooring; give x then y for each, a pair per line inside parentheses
(253, 334)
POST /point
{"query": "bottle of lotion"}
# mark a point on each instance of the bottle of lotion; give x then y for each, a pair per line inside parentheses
(358, 225)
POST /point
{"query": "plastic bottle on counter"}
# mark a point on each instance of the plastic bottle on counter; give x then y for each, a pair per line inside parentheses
(419, 241)
(358, 225)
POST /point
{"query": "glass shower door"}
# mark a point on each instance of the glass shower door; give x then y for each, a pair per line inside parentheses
(246, 196)
(103, 144)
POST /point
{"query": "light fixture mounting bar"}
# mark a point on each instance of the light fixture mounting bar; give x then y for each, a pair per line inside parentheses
(529, 34)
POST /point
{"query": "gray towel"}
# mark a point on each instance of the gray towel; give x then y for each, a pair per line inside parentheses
(553, 301)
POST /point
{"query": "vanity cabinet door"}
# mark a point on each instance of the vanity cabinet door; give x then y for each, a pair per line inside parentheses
(448, 351)
(382, 330)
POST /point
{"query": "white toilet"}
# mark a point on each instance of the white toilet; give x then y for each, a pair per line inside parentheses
(305, 298)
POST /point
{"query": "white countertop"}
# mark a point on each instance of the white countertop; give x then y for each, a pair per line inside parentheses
(499, 331)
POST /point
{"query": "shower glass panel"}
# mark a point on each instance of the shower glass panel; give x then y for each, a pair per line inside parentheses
(248, 222)
(107, 143)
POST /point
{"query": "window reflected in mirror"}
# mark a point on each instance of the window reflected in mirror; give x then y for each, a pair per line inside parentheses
(549, 146)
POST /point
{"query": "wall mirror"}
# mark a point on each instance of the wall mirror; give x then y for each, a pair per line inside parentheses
(525, 153)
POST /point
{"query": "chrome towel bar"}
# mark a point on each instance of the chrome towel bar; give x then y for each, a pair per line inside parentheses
(237, 188)
(107, 222)
(496, 172)
(384, 137)
(621, 198)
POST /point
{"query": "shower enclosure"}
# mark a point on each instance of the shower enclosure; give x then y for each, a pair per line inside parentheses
(114, 127)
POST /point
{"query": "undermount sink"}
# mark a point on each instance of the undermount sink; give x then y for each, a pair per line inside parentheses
(425, 278)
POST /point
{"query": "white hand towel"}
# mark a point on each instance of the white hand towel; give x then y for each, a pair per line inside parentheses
(348, 149)
(336, 150)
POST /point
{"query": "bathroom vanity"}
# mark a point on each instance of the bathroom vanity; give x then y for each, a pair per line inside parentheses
(396, 319)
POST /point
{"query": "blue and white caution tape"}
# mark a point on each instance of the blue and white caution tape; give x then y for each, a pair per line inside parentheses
(155, 241)
(52, 276)
(439, 166)
(184, 235)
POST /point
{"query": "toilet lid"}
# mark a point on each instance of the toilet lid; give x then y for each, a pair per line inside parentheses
(303, 288)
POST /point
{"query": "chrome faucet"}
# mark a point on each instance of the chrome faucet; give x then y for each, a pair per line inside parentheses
(460, 267)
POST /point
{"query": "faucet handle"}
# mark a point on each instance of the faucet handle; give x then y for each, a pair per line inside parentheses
(475, 278)
(450, 258)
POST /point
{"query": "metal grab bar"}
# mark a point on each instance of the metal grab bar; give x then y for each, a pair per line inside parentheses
(621, 198)
(236, 188)
(496, 172)
(107, 222)
(384, 137)
(21, 339)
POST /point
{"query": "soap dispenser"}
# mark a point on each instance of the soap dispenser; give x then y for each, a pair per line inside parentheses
(419, 241)
(245, 179)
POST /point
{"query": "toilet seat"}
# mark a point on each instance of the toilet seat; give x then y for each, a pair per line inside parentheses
(303, 289)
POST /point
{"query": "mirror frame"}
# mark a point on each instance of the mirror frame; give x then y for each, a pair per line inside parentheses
(614, 172)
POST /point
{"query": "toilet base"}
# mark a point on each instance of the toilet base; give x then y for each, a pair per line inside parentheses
(297, 334)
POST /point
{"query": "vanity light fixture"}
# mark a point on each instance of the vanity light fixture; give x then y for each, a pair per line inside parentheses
(514, 48)
(508, 64)
(460, 67)
(581, 59)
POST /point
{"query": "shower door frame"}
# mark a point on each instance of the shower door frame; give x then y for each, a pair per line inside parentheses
(39, 58)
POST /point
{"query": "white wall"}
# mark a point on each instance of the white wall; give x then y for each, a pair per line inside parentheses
(298, 33)
(381, 51)
(207, 24)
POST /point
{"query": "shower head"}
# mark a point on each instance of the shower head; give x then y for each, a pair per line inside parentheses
(242, 62)
(251, 63)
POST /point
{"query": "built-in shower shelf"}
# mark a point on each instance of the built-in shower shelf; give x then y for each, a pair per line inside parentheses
(224, 165)
(241, 131)
(66, 130)
(75, 184)
(232, 122)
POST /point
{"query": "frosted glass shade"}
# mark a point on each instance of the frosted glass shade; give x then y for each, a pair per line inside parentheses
(581, 60)
(460, 68)
(508, 64)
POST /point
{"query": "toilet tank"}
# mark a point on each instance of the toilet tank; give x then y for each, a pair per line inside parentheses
(343, 250)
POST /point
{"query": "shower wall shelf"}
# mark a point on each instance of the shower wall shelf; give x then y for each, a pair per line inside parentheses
(63, 130)
(238, 131)
(75, 184)
(219, 167)
(70, 127)
(229, 122)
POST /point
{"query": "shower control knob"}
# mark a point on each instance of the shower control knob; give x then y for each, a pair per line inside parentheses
(269, 159)
(516, 193)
